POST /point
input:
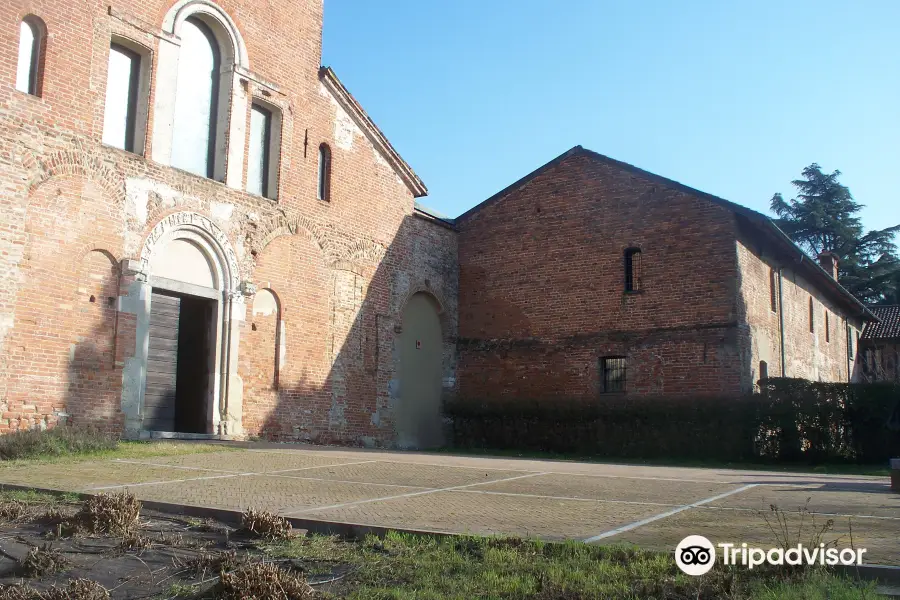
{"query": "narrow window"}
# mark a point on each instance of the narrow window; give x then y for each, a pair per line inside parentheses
(773, 292)
(30, 40)
(632, 269)
(324, 192)
(120, 111)
(850, 343)
(258, 170)
(827, 327)
(612, 372)
(196, 100)
(812, 319)
(763, 370)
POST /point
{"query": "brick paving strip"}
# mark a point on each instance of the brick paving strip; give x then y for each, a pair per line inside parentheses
(368, 491)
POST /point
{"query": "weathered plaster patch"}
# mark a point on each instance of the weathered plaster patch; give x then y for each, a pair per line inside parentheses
(345, 128)
(221, 211)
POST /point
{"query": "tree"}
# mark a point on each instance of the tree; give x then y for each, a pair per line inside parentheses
(822, 218)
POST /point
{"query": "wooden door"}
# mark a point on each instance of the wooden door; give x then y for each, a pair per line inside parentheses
(162, 363)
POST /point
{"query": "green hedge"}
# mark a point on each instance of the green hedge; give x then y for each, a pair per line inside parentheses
(791, 420)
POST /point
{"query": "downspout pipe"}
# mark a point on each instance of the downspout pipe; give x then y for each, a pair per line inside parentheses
(781, 320)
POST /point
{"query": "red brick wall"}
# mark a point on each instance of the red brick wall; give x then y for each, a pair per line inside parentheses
(342, 269)
(542, 288)
(809, 355)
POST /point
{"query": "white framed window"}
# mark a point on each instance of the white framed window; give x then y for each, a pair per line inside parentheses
(31, 43)
(201, 98)
(195, 127)
(127, 91)
(264, 153)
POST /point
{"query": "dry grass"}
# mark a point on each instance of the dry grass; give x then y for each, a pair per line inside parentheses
(12, 511)
(261, 581)
(114, 514)
(266, 525)
(77, 589)
(42, 560)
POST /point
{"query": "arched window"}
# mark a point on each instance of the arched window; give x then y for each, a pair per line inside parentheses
(196, 100)
(127, 93)
(324, 192)
(31, 36)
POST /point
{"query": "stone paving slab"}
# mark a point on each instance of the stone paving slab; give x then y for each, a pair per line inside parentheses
(610, 489)
(397, 473)
(248, 462)
(264, 492)
(826, 498)
(87, 475)
(880, 537)
(484, 514)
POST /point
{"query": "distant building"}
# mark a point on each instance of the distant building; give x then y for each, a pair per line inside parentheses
(590, 276)
(879, 346)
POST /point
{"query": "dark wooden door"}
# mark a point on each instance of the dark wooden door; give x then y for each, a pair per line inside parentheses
(162, 363)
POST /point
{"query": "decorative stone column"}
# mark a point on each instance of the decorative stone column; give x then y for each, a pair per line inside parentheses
(135, 302)
(232, 411)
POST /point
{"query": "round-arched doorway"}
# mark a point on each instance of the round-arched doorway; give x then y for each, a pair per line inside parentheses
(190, 271)
(418, 413)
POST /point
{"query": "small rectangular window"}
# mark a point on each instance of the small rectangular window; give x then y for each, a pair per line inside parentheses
(262, 169)
(850, 343)
(120, 110)
(812, 318)
(773, 291)
(612, 373)
(632, 269)
(827, 327)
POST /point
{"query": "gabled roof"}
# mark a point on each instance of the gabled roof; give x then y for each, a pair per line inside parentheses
(433, 216)
(378, 139)
(760, 221)
(888, 326)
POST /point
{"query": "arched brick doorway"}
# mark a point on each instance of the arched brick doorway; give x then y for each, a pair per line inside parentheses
(418, 412)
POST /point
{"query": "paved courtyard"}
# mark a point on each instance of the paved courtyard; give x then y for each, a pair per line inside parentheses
(654, 507)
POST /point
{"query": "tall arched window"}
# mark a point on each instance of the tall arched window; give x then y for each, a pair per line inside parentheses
(196, 100)
(324, 192)
(30, 43)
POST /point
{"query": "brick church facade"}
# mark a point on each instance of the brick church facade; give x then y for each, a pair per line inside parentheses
(254, 287)
(203, 233)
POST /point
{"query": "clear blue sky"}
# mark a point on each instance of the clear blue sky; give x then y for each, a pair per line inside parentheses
(733, 98)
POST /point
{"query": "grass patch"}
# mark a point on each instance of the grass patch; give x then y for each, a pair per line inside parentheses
(825, 469)
(407, 567)
(67, 444)
(59, 441)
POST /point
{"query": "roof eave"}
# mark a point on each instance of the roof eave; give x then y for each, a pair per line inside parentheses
(375, 135)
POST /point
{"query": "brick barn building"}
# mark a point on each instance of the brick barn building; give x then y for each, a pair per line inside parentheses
(590, 276)
(202, 233)
(879, 346)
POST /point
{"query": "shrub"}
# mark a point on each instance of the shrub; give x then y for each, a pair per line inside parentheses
(59, 441)
(116, 514)
(791, 420)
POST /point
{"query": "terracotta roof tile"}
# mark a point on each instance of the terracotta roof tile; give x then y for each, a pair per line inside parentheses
(888, 326)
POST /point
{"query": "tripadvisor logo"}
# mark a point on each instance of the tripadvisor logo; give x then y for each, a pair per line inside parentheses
(696, 555)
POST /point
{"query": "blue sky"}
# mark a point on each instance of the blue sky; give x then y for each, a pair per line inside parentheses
(733, 98)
